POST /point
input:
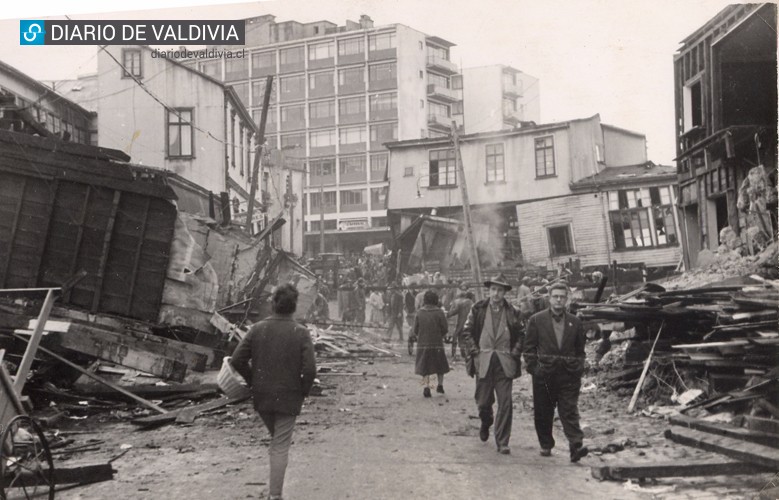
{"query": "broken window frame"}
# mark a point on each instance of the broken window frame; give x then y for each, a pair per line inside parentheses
(439, 158)
(642, 218)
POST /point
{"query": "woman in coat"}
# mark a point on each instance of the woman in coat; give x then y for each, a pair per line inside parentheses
(430, 328)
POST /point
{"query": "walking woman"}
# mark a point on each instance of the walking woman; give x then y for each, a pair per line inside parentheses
(430, 328)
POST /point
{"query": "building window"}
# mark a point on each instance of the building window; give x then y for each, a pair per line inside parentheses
(292, 55)
(270, 119)
(545, 157)
(421, 74)
(378, 221)
(264, 60)
(438, 80)
(212, 69)
(408, 172)
(352, 165)
(599, 153)
(381, 41)
(442, 168)
(292, 141)
(509, 79)
(693, 106)
(352, 197)
(439, 52)
(384, 102)
(351, 76)
(382, 72)
(435, 109)
(379, 164)
(319, 51)
(323, 109)
(236, 69)
(323, 168)
(351, 46)
(322, 138)
(560, 241)
(457, 108)
(292, 84)
(352, 135)
(329, 201)
(180, 133)
(258, 92)
(242, 90)
(351, 106)
(509, 106)
(642, 217)
(321, 81)
(379, 198)
(293, 114)
(495, 168)
(131, 60)
(385, 132)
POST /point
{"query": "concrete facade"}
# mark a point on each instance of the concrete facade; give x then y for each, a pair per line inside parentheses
(499, 97)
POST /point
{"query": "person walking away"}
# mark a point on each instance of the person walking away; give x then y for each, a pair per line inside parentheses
(493, 338)
(280, 376)
(460, 307)
(430, 329)
(554, 354)
(395, 312)
(377, 308)
(359, 302)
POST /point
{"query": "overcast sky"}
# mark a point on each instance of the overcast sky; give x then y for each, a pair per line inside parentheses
(612, 57)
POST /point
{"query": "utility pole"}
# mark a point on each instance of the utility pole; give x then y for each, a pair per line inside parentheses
(321, 212)
(258, 155)
(475, 266)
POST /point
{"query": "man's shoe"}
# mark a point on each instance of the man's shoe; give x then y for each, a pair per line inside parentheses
(579, 453)
(484, 432)
(545, 452)
(504, 450)
(439, 389)
(426, 392)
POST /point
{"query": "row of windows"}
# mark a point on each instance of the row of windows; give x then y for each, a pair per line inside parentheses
(349, 106)
(332, 224)
(379, 133)
(325, 167)
(349, 198)
(54, 124)
(441, 170)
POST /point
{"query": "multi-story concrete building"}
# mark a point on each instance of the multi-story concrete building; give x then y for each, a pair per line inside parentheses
(27, 105)
(726, 115)
(580, 190)
(340, 93)
(167, 115)
(498, 97)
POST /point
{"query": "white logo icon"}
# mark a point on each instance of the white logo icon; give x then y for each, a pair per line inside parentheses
(32, 32)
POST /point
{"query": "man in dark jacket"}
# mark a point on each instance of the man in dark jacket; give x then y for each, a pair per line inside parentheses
(281, 374)
(554, 354)
(493, 337)
(395, 312)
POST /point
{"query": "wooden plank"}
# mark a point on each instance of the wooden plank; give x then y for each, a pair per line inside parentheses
(171, 416)
(765, 438)
(83, 474)
(32, 344)
(640, 383)
(79, 237)
(36, 270)
(149, 391)
(126, 352)
(14, 225)
(91, 375)
(677, 468)
(109, 230)
(733, 448)
(761, 424)
(137, 259)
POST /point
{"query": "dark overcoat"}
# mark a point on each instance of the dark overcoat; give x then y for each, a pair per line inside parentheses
(543, 357)
(282, 366)
(430, 328)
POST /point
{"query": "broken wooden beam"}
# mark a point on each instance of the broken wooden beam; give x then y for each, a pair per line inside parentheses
(760, 424)
(751, 436)
(172, 416)
(150, 391)
(677, 468)
(83, 474)
(730, 447)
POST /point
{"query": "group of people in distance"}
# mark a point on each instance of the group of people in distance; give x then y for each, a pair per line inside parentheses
(276, 358)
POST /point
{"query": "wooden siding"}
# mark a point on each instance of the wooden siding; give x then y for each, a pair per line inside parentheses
(591, 233)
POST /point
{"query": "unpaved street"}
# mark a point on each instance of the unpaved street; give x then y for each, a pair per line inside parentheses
(376, 437)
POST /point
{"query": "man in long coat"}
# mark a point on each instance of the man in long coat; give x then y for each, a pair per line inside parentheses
(554, 355)
(493, 337)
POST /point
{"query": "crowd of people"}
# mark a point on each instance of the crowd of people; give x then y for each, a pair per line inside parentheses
(276, 358)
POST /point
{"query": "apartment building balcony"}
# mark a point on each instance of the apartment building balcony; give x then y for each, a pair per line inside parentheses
(512, 90)
(511, 117)
(443, 65)
(444, 94)
(439, 123)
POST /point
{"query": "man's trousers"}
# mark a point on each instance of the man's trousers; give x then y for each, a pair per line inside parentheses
(496, 385)
(559, 390)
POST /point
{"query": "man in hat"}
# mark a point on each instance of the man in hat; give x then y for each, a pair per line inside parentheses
(554, 354)
(493, 337)
(460, 307)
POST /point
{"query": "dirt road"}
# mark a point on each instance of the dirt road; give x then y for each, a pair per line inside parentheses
(376, 437)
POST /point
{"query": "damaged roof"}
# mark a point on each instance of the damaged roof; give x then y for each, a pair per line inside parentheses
(642, 173)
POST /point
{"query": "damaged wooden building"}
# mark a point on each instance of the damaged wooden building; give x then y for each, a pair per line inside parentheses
(726, 114)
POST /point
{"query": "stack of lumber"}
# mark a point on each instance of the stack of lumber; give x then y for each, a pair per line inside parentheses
(332, 343)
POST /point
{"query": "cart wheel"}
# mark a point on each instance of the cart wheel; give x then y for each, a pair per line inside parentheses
(26, 467)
